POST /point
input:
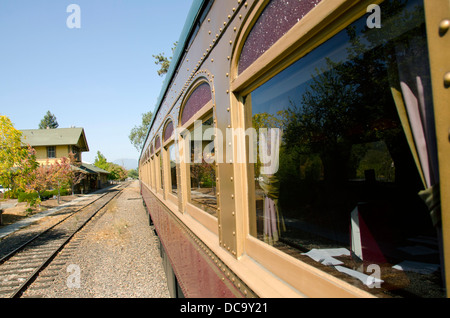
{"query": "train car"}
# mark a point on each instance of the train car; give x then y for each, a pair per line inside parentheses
(299, 148)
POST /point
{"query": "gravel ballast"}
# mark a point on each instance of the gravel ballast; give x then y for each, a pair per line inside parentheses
(115, 256)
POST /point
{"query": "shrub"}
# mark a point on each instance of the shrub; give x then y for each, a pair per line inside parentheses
(32, 198)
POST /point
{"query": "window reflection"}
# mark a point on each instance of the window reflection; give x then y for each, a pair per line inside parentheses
(161, 170)
(202, 170)
(173, 169)
(345, 194)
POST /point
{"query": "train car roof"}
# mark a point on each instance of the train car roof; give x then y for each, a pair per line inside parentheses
(189, 30)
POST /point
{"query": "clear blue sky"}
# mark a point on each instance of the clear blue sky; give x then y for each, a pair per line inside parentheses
(101, 77)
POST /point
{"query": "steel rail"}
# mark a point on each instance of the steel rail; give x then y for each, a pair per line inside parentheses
(21, 247)
(17, 291)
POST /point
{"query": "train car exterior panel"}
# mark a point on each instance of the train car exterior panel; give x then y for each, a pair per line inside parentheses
(229, 226)
(199, 273)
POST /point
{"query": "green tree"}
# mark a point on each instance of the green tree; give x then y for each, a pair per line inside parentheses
(138, 133)
(116, 172)
(162, 60)
(49, 121)
(17, 160)
(101, 162)
(133, 173)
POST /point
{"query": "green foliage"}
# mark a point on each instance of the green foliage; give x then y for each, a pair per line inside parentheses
(30, 197)
(47, 194)
(133, 173)
(17, 160)
(162, 60)
(33, 198)
(49, 121)
(101, 162)
(116, 172)
(138, 133)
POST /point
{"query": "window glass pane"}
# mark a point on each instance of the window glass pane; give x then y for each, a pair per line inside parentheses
(157, 143)
(277, 18)
(335, 183)
(161, 170)
(202, 169)
(173, 169)
(168, 132)
(199, 98)
(51, 152)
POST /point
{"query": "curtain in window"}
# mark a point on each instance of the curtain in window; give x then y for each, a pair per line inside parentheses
(270, 140)
(411, 90)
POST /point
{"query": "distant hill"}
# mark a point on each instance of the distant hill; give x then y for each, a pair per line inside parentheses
(127, 163)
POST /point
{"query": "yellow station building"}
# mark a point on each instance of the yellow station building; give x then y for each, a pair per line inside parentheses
(53, 144)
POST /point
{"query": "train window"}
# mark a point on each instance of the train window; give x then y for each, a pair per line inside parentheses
(277, 18)
(161, 175)
(199, 98)
(172, 169)
(202, 189)
(197, 120)
(157, 143)
(151, 171)
(147, 172)
(343, 191)
(168, 131)
(159, 163)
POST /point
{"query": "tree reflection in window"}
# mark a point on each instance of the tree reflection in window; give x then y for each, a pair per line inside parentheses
(343, 149)
(173, 169)
(203, 171)
(160, 175)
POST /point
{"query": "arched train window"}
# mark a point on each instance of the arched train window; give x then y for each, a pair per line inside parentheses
(168, 132)
(277, 18)
(158, 143)
(199, 98)
(202, 171)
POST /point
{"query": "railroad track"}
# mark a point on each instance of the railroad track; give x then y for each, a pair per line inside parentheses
(20, 267)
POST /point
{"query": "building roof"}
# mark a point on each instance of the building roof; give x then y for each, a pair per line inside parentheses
(86, 167)
(56, 137)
